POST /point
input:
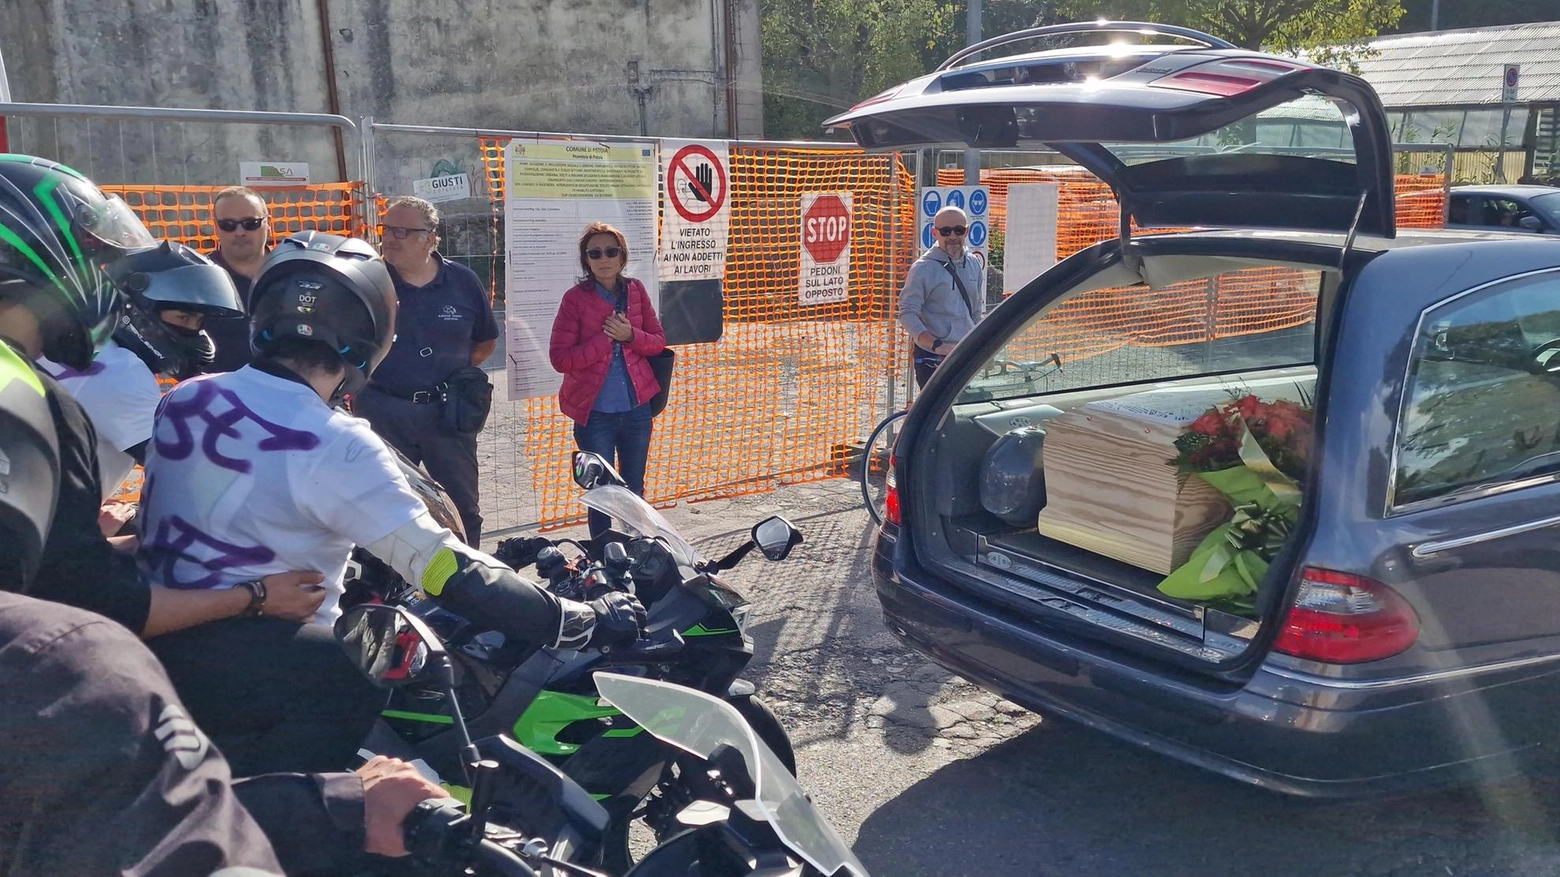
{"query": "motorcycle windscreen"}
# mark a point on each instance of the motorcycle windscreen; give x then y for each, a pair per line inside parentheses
(1187, 140)
(638, 518)
(699, 724)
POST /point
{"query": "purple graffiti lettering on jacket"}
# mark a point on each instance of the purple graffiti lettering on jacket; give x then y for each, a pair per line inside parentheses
(172, 546)
(65, 372)
(203, 400)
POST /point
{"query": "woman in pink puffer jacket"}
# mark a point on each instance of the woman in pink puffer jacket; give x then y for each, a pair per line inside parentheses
(605, 328)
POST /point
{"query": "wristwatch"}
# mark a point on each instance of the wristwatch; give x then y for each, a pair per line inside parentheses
(256, 607)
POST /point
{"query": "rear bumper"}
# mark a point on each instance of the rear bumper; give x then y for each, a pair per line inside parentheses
(1283, 730)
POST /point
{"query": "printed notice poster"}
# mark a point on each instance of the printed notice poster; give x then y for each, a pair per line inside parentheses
(1031, 233)
(554, 188)
(826, 226)
(696, 209)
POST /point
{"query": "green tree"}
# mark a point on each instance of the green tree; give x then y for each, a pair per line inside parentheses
(1475, 13)
(823, 56)
(1272, 25)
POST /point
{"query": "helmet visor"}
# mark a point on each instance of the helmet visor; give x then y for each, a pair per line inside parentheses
(113, 223)
(205, 289)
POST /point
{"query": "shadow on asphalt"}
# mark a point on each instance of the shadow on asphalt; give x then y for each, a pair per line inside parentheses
(1063, 800)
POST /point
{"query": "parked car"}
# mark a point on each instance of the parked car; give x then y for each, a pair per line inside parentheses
(1409, 630)
(1533, 209)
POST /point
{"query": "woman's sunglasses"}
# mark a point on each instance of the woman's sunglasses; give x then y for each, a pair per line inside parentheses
(609, 253)
(947, 230)
(249, 224)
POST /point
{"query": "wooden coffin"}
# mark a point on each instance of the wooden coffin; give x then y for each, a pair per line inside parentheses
(1110, 488)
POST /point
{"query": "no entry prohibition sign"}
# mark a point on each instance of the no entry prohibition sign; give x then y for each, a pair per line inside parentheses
(695, 210)
(705, 178)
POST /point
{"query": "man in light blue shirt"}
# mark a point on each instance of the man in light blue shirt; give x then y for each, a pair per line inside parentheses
(944, 295)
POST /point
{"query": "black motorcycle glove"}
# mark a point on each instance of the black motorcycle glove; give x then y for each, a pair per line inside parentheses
(617, 619)
(521, 551)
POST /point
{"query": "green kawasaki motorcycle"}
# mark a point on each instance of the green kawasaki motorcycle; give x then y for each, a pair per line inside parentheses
(547, 699)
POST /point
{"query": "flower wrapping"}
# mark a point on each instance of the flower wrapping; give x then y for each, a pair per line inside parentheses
(1253, 452)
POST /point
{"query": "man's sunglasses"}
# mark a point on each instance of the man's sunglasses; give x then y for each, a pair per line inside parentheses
(947, 230)
(250, 224)
(609, 252)
(399, 232)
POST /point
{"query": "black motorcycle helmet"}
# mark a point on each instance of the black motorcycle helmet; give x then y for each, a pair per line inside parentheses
(57, 230)
(29, 470)
(328, 289)
(171, 277)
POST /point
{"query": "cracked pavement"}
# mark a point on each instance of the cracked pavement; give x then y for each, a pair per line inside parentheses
(926, 774)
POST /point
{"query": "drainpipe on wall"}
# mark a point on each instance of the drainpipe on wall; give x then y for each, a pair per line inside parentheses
(729, 12)
(332, 95)
(641, 93)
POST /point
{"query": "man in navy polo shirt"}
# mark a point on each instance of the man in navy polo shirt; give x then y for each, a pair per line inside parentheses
(444, 324)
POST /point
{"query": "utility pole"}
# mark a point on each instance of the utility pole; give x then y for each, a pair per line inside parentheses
(1435, 15)
(971, 37)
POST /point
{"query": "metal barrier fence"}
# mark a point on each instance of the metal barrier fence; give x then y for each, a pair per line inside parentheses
(774, 399)
(787, 390)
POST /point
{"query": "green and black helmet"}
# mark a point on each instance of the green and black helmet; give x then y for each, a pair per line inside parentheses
(57, 231)
(29, 470)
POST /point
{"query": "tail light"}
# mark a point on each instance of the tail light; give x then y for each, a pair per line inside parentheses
(1342, 618)
(891, 498)
(1227, 78)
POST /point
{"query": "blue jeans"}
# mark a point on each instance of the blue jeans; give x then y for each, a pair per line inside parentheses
(623, 436)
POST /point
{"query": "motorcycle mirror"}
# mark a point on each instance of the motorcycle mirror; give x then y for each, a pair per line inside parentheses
(591, 471)
(776, 537)
(391, 646)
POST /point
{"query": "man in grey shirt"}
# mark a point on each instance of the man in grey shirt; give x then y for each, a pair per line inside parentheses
(944, 294)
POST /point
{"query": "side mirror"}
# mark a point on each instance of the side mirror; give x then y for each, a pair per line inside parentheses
(1531, 223)
(390, 645)
(776, 537)
(592, 471)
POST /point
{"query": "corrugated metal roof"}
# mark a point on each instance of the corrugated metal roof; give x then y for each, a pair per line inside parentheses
(1457, 67)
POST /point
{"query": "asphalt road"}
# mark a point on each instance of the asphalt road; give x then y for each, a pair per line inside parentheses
(924, 774)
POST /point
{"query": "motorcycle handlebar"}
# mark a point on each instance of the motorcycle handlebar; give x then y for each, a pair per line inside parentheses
(489, 856)
(438, 832)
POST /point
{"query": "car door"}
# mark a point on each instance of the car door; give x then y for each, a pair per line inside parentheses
(1451, 425)
(1171, 128)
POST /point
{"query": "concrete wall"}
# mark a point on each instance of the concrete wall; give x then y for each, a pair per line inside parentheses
(656, 67)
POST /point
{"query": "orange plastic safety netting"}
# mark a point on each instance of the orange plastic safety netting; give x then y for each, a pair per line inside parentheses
(1087, 212)
(787, 384)
(183, 213)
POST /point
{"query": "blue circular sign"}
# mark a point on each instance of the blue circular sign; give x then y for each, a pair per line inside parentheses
(931, 202)
(977, 202)
(977, 233)
(928, 237)
(956, 199)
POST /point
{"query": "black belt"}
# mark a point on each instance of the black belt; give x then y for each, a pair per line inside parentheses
(419, 397)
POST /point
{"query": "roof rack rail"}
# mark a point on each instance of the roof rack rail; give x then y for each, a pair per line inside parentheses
(1081, 27)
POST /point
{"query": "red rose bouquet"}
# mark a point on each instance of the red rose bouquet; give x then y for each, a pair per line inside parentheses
(1255, 453)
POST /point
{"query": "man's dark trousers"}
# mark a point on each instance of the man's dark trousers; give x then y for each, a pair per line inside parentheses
(417, 430)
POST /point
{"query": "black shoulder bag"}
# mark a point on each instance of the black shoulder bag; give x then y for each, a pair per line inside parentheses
(467, 395)
(660, 364)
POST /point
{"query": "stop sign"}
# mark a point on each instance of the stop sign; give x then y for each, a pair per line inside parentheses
(826, 228)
